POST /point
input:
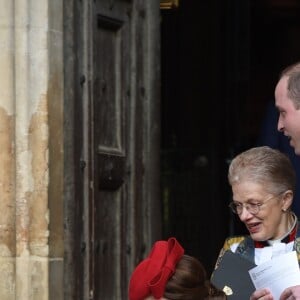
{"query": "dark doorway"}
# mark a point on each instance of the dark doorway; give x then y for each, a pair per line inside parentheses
(220, 63)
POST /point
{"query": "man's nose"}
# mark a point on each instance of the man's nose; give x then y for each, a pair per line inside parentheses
(280, 126)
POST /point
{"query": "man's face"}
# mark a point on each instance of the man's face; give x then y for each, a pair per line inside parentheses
(289, 116)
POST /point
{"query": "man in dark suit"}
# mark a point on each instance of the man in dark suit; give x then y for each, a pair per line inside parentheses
(287, 101)
(270, 136)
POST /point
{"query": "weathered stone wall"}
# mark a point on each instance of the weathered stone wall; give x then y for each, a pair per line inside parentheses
(30, 103)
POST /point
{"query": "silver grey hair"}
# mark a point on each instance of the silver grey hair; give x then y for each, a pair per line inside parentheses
(266, 166)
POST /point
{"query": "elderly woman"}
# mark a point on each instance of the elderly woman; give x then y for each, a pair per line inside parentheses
(169, 274)
(263, 182)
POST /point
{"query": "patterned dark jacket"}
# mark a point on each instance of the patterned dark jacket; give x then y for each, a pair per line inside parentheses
(246, 246)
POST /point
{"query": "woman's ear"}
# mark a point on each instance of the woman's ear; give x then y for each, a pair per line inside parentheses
(287, 200)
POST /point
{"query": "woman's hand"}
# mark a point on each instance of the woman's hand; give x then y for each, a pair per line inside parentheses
(263, 294)
(292, 293)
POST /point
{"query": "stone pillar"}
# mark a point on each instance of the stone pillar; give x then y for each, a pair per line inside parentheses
(26, 76)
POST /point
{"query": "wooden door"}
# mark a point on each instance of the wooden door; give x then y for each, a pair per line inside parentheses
(111, 168)
(117, 129)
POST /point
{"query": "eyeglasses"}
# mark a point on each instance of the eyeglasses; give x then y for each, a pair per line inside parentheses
(252, 208)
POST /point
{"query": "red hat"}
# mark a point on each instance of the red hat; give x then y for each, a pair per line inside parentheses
(152, 274)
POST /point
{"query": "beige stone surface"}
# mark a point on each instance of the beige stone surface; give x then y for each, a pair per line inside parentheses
(27, 66)
(7, 278)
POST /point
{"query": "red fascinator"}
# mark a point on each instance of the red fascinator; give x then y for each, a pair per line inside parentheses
(152, 274)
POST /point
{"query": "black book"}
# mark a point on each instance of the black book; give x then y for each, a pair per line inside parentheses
(232, 276)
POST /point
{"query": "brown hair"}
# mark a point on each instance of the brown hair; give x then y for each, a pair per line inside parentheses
(293, 84)
(190, 282)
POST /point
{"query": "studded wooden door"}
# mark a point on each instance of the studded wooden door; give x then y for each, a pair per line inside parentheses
(123, 144)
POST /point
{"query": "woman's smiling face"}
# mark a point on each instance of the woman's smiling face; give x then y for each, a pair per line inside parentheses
(270, 221)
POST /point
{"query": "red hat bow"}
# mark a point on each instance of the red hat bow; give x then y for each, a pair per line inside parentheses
(152, 274)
